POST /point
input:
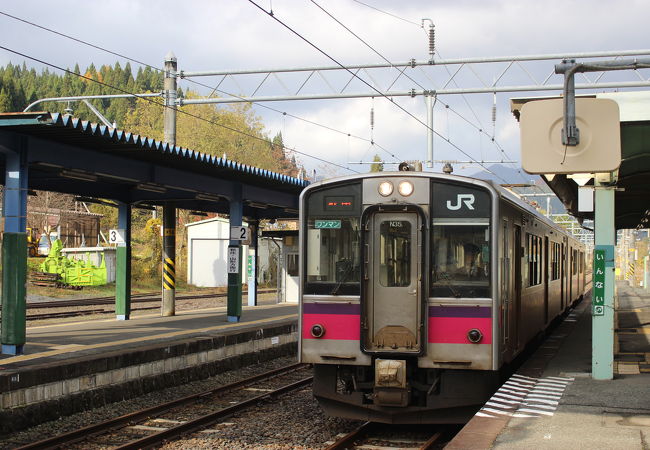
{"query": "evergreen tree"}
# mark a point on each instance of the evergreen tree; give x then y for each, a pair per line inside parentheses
(377, 165)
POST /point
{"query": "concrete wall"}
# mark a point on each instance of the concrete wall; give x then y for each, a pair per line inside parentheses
(44, 392)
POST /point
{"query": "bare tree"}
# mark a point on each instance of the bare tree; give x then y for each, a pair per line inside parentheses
(47, 210)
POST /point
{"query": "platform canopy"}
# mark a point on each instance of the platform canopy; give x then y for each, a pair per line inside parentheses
(69, 155)
(632, 209)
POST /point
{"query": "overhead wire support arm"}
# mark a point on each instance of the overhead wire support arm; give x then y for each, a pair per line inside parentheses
(413, 63)
(89, 97)
(570, 131)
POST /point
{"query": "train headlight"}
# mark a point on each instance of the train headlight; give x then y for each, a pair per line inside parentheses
(474, 335)
(385, 188)
(317, 330)
(405, 188)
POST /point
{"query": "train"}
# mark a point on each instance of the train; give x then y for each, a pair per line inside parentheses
(418, 290)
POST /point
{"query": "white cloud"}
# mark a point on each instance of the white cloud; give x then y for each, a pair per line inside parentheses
(226, 34)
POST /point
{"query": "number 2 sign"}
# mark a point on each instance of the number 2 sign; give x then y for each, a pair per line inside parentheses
(239, 233)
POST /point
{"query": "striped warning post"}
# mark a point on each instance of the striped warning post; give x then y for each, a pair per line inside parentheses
(169, 275)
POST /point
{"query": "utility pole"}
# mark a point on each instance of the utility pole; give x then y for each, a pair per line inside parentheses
(169, 86)
(169, 209)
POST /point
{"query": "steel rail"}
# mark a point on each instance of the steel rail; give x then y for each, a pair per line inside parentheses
(135, 298)
(363, 432)
(87, 432)
(349, 439)
(208, 419)
(433, 440)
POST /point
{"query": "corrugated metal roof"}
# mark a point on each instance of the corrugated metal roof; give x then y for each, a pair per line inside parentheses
(71, 130)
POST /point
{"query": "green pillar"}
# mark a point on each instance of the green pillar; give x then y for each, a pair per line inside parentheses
(123, 270)
(14, 276)
(14, 247)
(602, 354)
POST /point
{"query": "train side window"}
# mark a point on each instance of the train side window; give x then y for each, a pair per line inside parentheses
(555, 261)
(534, 255)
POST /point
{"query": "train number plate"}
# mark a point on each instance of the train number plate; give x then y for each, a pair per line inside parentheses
(327, 224)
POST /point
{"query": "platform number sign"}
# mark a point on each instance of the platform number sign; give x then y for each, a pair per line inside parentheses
(116, 236)
(239, 233)
(598, 301)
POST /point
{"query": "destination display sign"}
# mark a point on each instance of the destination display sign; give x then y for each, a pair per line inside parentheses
(327, 224)
(339, 202)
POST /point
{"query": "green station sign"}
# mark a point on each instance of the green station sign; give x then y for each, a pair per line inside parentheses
(598, 301)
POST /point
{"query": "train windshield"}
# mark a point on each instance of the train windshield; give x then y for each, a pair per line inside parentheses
(460, 259)
(332, 256)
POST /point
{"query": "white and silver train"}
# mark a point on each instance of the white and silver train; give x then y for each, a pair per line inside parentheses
(418, 289)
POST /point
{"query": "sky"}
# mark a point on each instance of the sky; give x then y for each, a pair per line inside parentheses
(223, 35)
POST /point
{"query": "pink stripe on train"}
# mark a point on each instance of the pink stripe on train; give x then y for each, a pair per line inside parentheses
(337, 326)
(453, 330)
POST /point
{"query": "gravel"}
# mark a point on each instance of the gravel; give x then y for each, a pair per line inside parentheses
(293, 422)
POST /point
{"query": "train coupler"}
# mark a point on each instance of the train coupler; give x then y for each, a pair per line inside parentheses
(390, 387)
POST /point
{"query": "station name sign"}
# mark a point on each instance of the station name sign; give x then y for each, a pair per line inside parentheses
(598, 301)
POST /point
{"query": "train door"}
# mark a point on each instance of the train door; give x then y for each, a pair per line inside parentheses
(392, 301)
(518, 257)
(545, 278)
(569, 274)
(505, 290)
(562, 278)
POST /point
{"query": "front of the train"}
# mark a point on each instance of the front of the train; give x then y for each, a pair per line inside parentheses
(396, 295)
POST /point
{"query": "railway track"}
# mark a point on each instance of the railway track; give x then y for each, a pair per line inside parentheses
(146, 428)
(376, 435)
(135, 298)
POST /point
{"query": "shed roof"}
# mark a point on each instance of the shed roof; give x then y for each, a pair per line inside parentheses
(113, 163)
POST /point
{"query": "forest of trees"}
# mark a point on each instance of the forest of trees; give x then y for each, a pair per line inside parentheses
(211, 133)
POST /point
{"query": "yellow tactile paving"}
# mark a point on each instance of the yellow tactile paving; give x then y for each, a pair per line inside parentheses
(147, 338)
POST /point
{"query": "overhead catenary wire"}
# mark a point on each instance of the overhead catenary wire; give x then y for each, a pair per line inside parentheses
(479, 128)
(386, 12)
(180, 111)
(372, 87)
(212, 88)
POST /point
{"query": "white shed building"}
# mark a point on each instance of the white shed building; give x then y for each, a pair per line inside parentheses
(207, 252)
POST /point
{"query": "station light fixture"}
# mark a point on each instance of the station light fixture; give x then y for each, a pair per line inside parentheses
(78, 175)
(208, 197)
(151, 187)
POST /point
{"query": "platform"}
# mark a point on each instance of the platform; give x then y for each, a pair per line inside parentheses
(71, 366)
(553, 403)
